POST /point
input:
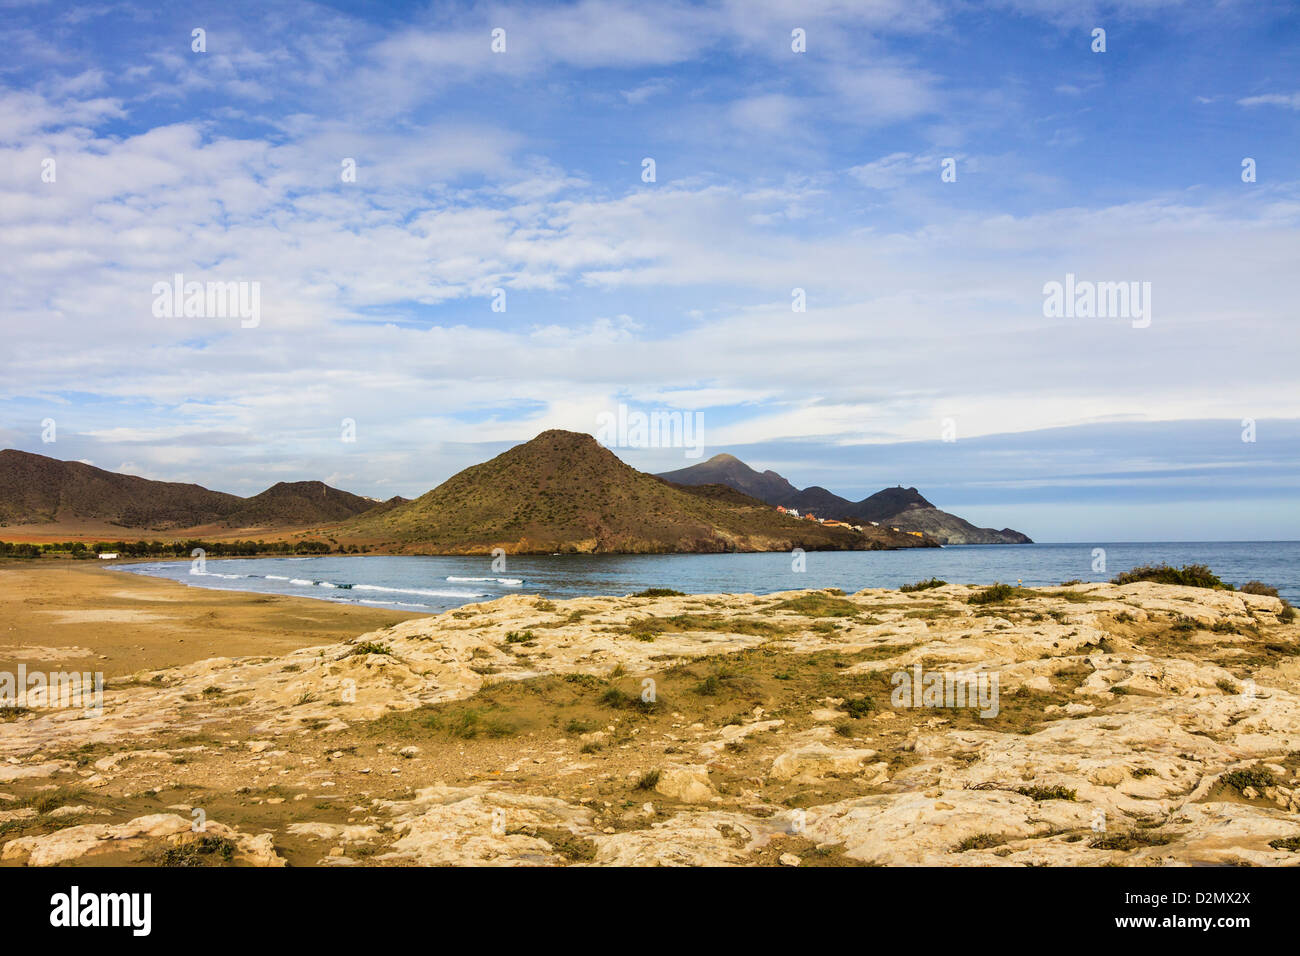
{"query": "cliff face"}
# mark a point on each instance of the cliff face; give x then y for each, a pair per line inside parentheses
(950, 529)
(902, 508)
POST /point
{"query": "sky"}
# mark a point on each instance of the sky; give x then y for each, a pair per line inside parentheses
(824, 230)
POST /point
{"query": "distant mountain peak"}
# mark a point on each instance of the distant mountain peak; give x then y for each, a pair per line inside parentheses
(903, 508)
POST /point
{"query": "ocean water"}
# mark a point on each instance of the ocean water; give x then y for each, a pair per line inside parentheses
(432, 584)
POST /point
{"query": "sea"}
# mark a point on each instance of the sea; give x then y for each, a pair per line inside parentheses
(438, 583)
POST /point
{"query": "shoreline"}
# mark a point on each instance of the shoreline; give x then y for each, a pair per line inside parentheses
(70, 615)
(1049, 565)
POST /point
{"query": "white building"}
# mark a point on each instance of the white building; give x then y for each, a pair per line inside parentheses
(107, 555)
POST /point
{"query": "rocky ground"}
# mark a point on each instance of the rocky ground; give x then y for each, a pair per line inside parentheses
(1136, 725)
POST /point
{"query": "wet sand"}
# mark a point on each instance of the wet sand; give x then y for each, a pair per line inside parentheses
(78, 616)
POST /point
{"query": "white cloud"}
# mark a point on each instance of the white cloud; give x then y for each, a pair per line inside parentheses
(375, 294)
(1290, 101)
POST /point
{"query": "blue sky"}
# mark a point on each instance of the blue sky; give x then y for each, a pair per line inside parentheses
(775, 170)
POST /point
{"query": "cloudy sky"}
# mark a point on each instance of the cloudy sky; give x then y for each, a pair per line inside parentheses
(519, 178)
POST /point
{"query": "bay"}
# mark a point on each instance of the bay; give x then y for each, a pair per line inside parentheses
(437, 583)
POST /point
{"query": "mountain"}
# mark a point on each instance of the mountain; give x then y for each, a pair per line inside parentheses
(889, 502)
(902, 508)
(35, 490)
(563, 492)
(39, 490)
(731, 471)
(298, 503)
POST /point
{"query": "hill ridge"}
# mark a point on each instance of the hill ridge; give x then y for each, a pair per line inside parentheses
(39, 490)
(898, 507)
(564, 492)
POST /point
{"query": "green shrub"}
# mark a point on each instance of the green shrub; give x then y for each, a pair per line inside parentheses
(923, 585)
(615, 698)
(859, 706)
(709, 686)
(659, 592)
(1189, 575)
(206, 851)
(995, 594)
(1132, 840)
(469, 724)
(1258, 587)
(981, 841)
(1047, 793)
(1256, 777)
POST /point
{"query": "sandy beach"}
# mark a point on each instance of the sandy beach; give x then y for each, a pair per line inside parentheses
(79, 615)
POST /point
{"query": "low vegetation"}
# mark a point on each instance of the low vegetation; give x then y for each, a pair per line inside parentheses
(820, 605)
(859, 707)
(1258, 587)
(169, 549)
(1131, 840)
(1047, 793)
(923, 585)
(648, 628)
(996, 594)
(1189, 575)
(981, 841)
(205, 851)
(1256, 778)
(369, 647)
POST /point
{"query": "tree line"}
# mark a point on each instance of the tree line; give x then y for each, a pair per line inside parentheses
(174, 549)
